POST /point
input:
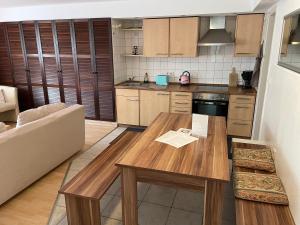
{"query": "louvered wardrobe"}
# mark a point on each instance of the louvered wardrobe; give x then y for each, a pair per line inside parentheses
(65, 60)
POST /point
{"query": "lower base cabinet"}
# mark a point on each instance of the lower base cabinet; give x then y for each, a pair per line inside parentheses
(151, 104)
(128, 107)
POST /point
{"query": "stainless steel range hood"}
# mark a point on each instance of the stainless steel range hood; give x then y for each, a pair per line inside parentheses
(217, 34)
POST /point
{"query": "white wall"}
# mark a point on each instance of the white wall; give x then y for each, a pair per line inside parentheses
(281, 117)
(125, 9)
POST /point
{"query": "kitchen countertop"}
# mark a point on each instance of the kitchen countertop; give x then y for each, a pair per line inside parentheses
(204, 88)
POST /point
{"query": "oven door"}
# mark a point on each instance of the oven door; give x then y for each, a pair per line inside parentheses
(212, 108)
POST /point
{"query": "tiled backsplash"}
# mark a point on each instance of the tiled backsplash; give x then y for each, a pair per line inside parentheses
(212, 66)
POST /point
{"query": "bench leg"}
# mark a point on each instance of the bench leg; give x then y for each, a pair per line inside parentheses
(129, 196)
(81, 211)
(213, 203)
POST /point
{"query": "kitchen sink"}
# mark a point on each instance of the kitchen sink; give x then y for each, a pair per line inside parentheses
(135, 84)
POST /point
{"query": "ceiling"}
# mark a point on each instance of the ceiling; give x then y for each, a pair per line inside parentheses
(21, 3)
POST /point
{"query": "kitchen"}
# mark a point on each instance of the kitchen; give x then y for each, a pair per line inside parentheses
(206, 53)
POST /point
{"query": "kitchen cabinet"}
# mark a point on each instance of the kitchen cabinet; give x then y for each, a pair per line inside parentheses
(184, 36)
(240, 115)
(248, 34)
(151, 104)
(156, 37)
(174, 37)
(181, 102)
(128, 106)
(286, 35)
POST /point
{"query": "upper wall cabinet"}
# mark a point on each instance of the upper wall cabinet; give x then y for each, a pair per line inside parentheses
(248, 34)
(175, 37)
(156, 37)
(184, 36)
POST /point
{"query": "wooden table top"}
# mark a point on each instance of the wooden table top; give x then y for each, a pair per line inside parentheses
(205, 158)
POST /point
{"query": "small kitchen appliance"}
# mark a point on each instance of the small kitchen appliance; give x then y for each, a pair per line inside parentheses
(185, 78)
(162, 80)
(247, 76)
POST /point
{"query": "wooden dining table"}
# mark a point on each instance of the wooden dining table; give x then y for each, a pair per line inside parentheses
(201, 165)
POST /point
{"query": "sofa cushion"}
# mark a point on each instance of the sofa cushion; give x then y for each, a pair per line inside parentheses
(259, 187)
(258, 159)
(2, 96)
(29, 116)
(52, 108)
(2, 127)
(4, 107)
(38, 113)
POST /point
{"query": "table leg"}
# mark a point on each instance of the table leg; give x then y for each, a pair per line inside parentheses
(129, 196)
(81, 211)
(213, 203)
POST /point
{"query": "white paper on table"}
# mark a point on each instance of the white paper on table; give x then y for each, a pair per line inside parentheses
(176, 139)
(199, 125)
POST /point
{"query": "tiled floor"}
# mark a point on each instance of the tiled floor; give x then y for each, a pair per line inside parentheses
(157, 205)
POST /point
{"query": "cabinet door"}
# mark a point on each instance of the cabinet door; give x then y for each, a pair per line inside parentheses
(128, 101)
(152, 103)
(248, 34)
(286, 35)
(184, 36)
(156, 37)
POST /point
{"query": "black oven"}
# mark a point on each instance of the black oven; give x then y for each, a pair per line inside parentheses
(210, 104)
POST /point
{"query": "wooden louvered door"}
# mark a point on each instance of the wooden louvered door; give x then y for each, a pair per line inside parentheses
(87, 79)
(20, 71)
(60, 61)
(104, 67)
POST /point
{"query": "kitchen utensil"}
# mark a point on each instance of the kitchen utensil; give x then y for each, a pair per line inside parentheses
(233, 78)
(185, 78)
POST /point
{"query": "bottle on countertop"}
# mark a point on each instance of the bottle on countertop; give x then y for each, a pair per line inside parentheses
(146, 78)
(233, 78)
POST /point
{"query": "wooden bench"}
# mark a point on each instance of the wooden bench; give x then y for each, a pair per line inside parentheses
(257, 213)
(84, 191)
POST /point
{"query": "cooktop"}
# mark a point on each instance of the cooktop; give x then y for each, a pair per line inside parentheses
(208, 88)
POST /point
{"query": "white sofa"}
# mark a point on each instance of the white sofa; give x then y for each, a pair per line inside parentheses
(9, 111)
(32, 150)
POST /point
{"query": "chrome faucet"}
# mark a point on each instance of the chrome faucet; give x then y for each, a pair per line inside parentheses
(131, 78)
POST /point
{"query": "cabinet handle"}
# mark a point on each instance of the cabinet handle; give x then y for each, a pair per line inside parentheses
(241, 98)
(162, 94)
(176, 110)
(132, 100)
(181, 95)
(181, 103)
(177, 54)
(162, 54)
(242, 107)
(240, 124)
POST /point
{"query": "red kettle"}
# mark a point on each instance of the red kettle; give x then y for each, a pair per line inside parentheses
(185, 78)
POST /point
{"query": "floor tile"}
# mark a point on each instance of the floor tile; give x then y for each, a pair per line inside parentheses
(142, 190)
(61, 200)
(160, 195)
(114, 208)
(104, 201)
(115, 188)
(109, 221)
(57, 215)
(189, 201)
(151, 214)
(180, 217)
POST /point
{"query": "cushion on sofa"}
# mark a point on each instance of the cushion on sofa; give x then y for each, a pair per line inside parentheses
(2, 96)
(258, 159)
(2, 127)
(52, 108)
(4, 107)
(259, 187)
(38, 113)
